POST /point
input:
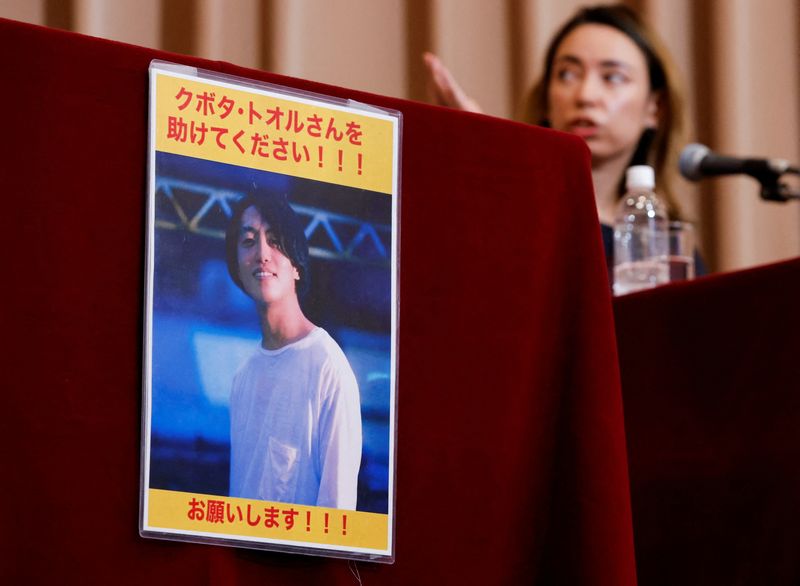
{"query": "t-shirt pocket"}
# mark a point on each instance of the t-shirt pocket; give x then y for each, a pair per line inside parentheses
(280, 473)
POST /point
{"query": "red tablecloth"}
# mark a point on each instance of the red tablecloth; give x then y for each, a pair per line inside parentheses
(511, 454)
(711, 387)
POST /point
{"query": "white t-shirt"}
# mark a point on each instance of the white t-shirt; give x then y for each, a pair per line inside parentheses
(296, 425)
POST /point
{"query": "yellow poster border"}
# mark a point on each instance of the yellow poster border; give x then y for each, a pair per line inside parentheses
(214, 120)
(266, 521)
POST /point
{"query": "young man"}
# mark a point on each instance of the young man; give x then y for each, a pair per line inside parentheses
(295, 408)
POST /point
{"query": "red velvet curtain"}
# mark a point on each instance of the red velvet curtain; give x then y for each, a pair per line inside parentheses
(511, 450)
(710, 373)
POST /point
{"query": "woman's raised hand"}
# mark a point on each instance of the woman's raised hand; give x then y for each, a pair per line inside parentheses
(444, 88)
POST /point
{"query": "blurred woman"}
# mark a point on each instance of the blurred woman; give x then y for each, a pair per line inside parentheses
(608, 79)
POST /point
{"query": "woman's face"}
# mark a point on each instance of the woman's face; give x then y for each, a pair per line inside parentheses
(599, 89)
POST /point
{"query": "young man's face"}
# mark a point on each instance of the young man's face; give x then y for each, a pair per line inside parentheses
(267, 275)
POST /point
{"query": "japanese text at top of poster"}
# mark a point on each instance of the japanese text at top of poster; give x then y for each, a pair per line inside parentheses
(216, 121)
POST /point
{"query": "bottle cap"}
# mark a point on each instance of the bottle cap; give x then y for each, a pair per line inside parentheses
(641, 176)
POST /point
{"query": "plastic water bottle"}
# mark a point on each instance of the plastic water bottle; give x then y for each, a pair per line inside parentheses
(641, 235)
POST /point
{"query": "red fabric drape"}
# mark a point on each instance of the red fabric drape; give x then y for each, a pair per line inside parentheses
(511, 454)
(710, 373)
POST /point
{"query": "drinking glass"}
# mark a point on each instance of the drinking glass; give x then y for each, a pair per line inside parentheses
(681, 251)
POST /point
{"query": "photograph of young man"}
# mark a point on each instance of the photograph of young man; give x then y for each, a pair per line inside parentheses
(295, 412)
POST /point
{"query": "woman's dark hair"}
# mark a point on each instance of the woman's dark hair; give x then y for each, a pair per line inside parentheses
(657, 147)
(285, 226)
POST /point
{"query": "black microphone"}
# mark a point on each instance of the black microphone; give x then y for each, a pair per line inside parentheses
(697, 161)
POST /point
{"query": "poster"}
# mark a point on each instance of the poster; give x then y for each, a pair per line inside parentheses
(271, 300)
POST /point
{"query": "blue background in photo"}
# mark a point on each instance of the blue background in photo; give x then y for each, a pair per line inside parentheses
(204, 327)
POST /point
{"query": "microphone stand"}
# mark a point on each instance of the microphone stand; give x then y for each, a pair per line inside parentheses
(772, 189)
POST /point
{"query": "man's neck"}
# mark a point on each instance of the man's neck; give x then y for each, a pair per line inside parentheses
(283, 324)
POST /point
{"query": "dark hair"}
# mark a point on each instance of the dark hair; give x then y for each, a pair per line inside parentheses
(657, 147)
(625, 20)
(285, 226)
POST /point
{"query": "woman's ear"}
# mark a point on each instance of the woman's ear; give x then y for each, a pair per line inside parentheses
(652, 113)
